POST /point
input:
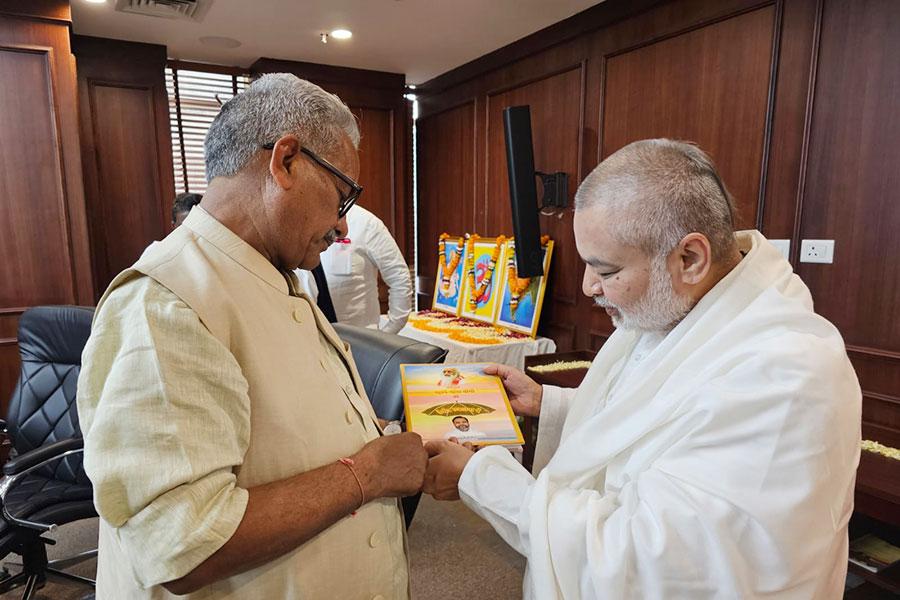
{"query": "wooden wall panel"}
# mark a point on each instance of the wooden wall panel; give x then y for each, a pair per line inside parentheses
(128, 212)
(44, 250)
(446, 182)
(376, 163)
(709, 86)
(126, 150)
(555, 103)
(851, 195)
(32, 215)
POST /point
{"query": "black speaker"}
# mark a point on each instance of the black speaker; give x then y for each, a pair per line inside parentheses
(523, 191)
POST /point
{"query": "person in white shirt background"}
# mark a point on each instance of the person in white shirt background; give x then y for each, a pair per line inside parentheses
(351, 267)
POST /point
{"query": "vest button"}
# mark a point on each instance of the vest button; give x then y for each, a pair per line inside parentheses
(374, 540)
(298, 315)
(349, 417)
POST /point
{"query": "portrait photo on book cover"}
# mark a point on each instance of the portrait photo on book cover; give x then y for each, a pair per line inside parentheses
(458, 401)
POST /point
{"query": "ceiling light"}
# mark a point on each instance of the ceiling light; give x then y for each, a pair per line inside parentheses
(96, 1)
(411, 86)
(342, 34)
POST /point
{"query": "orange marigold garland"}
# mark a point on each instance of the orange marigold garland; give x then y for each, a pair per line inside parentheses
(518, 285)
(448, 270)
(476, 293)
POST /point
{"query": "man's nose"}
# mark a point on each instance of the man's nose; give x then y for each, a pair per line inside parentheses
(591, 286)
(341, 228)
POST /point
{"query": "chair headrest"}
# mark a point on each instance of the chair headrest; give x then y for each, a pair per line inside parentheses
(378, 357)
(54, 334)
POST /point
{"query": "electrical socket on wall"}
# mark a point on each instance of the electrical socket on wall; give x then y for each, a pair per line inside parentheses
(817, 251)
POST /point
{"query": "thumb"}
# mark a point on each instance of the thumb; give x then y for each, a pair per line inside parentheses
(434, 448)
(491, 369)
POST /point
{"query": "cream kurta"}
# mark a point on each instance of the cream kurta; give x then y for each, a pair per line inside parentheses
(203, 377)
(722, 469)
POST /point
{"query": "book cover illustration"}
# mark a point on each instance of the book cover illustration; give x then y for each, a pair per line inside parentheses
(521, 298)
(449, 281)
(482, 258)
(459, 401)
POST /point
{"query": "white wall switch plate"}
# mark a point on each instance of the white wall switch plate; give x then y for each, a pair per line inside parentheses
(817, 251)
(784, 246)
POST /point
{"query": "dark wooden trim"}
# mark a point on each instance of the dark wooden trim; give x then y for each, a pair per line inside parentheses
(330, 74)
(588, 20)
(582, 106)
(876, 352)
(807, 128)
(8, 341)
(13, 310)
(178, 123)
(693, 27)
(890, 399)
(206, 67)
(770, 112)
(56, 12)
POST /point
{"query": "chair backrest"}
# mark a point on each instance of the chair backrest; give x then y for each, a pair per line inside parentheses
(42, 409)
(378, 357)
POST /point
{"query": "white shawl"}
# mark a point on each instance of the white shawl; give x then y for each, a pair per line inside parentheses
(724, 471)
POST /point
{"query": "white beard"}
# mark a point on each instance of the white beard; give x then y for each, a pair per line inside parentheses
(659, 309)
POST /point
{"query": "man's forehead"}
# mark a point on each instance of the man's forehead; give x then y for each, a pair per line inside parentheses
(595, 240)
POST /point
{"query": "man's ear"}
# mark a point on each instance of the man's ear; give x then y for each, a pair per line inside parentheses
(694, 259)
(285, 161)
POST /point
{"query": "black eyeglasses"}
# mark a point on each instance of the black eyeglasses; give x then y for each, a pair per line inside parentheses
(347, 200)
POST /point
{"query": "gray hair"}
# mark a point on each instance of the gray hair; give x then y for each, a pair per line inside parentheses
(661, 190)
(275, 105)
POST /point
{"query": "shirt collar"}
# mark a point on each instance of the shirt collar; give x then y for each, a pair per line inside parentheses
(207, 227)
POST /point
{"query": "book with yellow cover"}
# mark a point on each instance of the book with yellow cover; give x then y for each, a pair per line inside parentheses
(458, 401)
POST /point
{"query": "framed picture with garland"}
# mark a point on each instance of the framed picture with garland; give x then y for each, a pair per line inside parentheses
(520, 299)
(479, 297)
(449, 281)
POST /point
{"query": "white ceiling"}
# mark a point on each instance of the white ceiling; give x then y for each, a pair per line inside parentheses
(421, 38)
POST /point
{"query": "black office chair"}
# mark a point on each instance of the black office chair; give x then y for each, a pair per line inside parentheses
(44, 484)
(378, 357)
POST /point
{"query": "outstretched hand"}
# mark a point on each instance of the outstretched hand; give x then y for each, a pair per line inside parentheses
(524, 392)
(445, 467)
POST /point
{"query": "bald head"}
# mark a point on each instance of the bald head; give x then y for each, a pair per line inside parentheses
(655, 192)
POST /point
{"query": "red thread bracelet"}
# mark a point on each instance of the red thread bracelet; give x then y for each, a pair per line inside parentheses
(348, 462)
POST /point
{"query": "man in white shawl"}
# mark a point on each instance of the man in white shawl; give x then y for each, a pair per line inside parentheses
(711, 450)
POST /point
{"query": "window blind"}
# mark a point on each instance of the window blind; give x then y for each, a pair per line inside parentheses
(194, 100)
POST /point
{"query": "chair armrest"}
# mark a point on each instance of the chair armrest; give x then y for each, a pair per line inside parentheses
(35, 457)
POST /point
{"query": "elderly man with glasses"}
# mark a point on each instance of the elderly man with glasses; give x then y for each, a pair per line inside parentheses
(232, 448)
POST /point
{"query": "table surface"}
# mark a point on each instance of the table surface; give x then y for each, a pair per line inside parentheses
(510, 353)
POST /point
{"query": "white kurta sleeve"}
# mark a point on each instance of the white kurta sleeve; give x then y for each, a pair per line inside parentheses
(166, 421)
(619, 544)
(385, 254)
(555, 403)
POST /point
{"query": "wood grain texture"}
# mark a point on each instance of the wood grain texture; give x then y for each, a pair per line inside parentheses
(126, 150)
(446, 181)
(44, 250)
(708, 86)
(32, 215)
